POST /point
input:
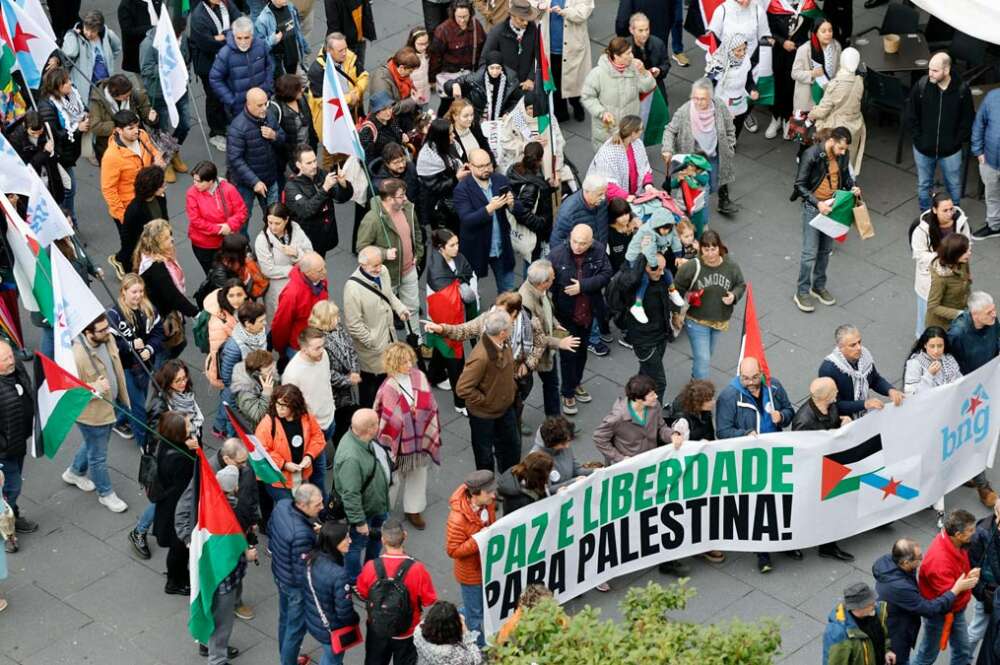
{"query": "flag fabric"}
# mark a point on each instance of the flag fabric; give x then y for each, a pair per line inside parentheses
(339, 132)
(804, 8)
(74, 306)
(29, 38)
(8, 88)
(818, 84)
(544, 87)
(655, 115)
(59, 401)
(445, 306)
(45, 218)
(9, 325)
(35, 10)
(263, 466)
(217, 542)
(838, 222)
(752, 343)
(763, 76)
(172, 69)
(32, 268)
(699, 17)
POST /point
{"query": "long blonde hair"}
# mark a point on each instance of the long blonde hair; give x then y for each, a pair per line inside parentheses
(149, 242)
(128, 282)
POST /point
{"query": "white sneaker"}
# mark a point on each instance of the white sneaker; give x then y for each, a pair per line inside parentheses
(83, 482)
(784, 130)
(675, 297)
(113, 503)
(444, 385)
(461, 410)
(638, 313)
(750, 124)
(772, 128)
(218, 142)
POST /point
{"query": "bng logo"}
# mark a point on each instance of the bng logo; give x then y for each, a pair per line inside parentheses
(974, 426)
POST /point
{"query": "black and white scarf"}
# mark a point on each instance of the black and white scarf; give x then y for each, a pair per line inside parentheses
(859, 376)
(220, 25)
(247, 341)
(949, 373)
(494, 95)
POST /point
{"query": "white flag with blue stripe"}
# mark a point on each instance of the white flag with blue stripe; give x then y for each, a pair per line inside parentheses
(172, 68)
(339, 133)
(45, 218)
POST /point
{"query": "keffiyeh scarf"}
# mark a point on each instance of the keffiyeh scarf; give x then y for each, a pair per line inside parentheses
(248, 342)
(859, 376)
(185, 403)
(494, 95)
(949, 369)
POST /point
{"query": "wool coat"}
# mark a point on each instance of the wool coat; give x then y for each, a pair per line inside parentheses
(606, 90)
(576, 56)
(678, 138)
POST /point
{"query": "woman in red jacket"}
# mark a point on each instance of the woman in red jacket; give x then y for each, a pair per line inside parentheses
(214, 209)
(292, 438)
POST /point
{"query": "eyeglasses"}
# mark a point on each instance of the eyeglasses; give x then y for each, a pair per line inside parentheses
(481, 166)
(283, 405)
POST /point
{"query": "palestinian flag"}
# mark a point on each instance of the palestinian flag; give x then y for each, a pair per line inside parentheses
(752, 344)
(804, 8)
(819, 84)
(32, 265)
(655, 115)
(59, 401)
(445, 306)
(544, 87)
(263, 466)
(763, 76)
(838, 222)
(699, 18)
(217, 543)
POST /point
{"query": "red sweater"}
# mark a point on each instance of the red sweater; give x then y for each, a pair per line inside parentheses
(943, 564)
(418, 582)
(207, 212)
(295, 303)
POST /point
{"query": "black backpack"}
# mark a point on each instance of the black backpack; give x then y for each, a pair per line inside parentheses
(388, 604)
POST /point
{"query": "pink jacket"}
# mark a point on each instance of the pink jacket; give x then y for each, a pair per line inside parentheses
(207, 212)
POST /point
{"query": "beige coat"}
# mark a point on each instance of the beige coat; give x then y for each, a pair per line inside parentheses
(841, 107)
(802, 75)
(576, 45)
(605, 90)
(89, 368)
(369, 319)
(492, 11)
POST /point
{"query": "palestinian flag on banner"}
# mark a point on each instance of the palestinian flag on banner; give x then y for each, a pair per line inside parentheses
(59, 401)
(805, 8)
(544, 87)
(763, 76)
(838, 222)
(445, 306)
(655, 115)
(263, 466)
(752, 344)
(699, 17)
(217, 543)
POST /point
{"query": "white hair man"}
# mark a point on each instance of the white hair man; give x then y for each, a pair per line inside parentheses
(852, 368)
(588, 206)
(249, 56)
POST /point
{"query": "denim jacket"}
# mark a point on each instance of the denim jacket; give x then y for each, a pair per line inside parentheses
(986, 130)
(266, 26)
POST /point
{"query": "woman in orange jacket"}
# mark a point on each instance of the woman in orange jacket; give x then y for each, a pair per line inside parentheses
(292, 438)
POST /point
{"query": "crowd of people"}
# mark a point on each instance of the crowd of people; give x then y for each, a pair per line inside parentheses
(460, 178)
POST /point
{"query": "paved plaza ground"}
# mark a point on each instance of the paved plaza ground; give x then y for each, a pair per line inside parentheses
(77, 593)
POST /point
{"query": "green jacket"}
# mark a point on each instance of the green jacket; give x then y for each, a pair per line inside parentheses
(378, 230)
(846, 644)
(353, 465)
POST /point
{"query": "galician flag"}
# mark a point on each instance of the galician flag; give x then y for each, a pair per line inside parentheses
(805, 8)
(339, 133)
(216, 545)
(172, 69)
(34, 9)
(45, 218)
(838, 222)
(544, 87)
(30, 39)
(7, 63)
(446, 306)
(263, 466)
(59, 401)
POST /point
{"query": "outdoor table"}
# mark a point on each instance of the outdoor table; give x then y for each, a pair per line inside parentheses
(912, 55)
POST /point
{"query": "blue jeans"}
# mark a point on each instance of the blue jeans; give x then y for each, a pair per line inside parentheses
(69, 198)
(371, 545)
(330, 658)
(504, 277)
(146, 519)
(12, 468)
(291, 623)
(249, 196)
(278, 493)
(472, 610)
(927, 651)
(677, 27)
(980, 622)
(137, 385)
(222, 423)
(550, 390)
(816, 249)
(92, 457)
(951, 171)
(921, 316)
(702, 340)
(179, 132)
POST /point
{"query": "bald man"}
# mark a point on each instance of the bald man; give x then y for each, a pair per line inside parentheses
(250, 156)
(582, 270)
(306, 286)
(361, 479)
(484, 204)
(940, 116)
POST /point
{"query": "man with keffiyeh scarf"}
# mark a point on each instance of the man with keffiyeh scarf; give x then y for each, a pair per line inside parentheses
(852, 368)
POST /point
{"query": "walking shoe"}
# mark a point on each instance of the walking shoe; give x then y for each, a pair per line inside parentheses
(607, 338)
(985, 232)
(675, 568)
(823, 296)
(714, 556)
(461, 410)
(987, 496)
(172, 589)
(124, 430)
(118, 267)
(599, 349)
(578, 113)
(178, 163)
(417, 520)
(443, 385)
(676, 298)
(764, 565)
(83, 482)
(113, 503)
(638, 313)
(804, 302)
(833, 551)
(231, 652)
(244, 612)
(750, 124)
(169, 175)
(940, 520)
(795, 555)
(726, 205)
(569, 406)
(11, 545)
(3, 604)
(139, 544)
(772, 128)
(24, 525)
(603, 587)
(623, 343)
(218, 142)
(681, 60)
(784, 131)
(582, 395)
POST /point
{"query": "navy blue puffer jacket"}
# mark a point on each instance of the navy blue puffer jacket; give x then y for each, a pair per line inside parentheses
(234, 72)
(291, 538)
(333, 590)
(250, 157)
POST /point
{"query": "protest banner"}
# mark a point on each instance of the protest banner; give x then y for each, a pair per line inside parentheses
(775, 492)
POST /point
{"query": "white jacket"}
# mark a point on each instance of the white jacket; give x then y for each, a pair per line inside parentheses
(920, 244)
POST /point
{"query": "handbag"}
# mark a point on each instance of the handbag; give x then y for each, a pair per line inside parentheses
(522, 239)
(694, 297)
(149, 477)
(173, 330)
(863, 220)
(255, 277)
(341, 639)
(801, 129)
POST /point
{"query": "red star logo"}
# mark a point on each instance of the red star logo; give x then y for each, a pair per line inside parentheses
(337, 104)
(974, 403)
(20, 41)
(891, 488)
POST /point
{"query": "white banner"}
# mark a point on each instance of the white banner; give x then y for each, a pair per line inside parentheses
(978, 18)
(775, 492)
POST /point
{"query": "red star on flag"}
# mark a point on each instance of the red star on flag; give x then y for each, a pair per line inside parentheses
(891, 488)
(21, 38)
(974, 403)
(336, 103)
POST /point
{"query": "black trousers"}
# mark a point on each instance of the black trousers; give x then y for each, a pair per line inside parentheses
(784, 86)
(215, 112)
(205, 257)
(650, 357)
(435, 13)
(496, 440)
(572, 363)
(450, 368)
(400, 652)
(368, 387)
(177, 563)
(342, 423)
(557, 99)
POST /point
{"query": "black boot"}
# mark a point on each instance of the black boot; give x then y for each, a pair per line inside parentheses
(578, 113)
(726, 205)
(561, 110)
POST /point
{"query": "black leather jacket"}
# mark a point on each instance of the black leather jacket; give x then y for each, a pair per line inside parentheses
(813, 167)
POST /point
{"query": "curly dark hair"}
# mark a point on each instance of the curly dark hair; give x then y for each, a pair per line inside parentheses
(695, 394)
(287, 87)
(555, 431)
(233, 252)
(442, 624)
(292, 397)
(147, 181)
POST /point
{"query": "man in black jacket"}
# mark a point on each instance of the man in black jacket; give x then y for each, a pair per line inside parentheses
(395, 164)
(649, 339)
(939, 115)
(340, 17)
(823, 169)
(310, 195)
(37, 150)
(17, 404)
(517, 41)
(209, 22)
(650, 49)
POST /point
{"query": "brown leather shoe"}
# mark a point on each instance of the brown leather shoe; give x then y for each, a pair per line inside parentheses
(178, 163)
(987, 496)
(418, 521)
(169, 175)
